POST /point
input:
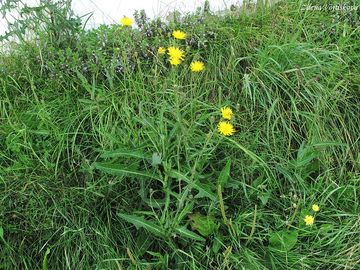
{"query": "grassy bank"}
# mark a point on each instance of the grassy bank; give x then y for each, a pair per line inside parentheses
(111, 157)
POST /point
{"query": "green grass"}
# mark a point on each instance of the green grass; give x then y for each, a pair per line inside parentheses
(111, 159)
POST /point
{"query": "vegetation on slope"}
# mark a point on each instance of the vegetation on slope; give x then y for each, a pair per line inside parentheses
(111, 158)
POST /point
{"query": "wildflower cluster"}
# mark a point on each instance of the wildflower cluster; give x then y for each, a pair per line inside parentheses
(309, 219)
(225, 127)
(177, 55)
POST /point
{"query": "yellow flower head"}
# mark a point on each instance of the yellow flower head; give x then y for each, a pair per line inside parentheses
(179, 34)
(315, 208)
(226, 128)
(161, 50)
(126, 21)
(176, 53)
(175, 61)
(197, 66)
(226, 113)
(309, 220)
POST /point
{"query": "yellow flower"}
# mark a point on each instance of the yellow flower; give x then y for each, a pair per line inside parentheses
(175, 61)
(197, 66)
(309, 220)
(161, 50)
(226, 128)
(176, 53)
(226, 113)
(126, 21)
(179, 34)
(315, 208)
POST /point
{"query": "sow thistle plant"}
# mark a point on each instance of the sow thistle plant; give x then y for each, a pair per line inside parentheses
(176, 57)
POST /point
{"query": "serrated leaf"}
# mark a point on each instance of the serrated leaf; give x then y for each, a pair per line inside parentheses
(189, 234)
(140, 222)
(283, 240)
(225, 174)
(121, 170)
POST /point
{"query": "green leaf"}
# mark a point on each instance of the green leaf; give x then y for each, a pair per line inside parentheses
(142, 244)
(326, 228)
(322, 144)
(217, 244)
(143, 192)
(283, 240)
(204, 191)
(140, 222)
(123, 152)
(189, 234)
(2, 233)
(306, 154)
(224, 174)
(121, 170)
(205, 225)
(264, 197)
(45, 259)
(186, 210)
